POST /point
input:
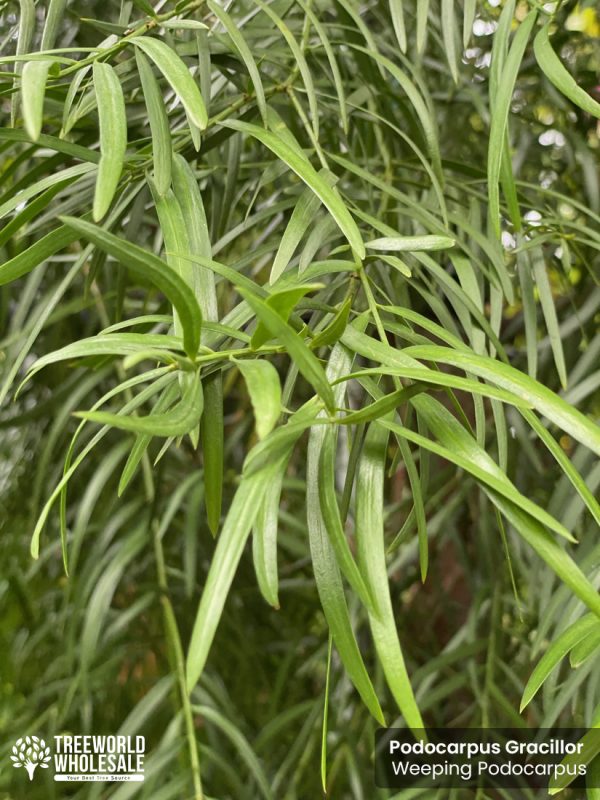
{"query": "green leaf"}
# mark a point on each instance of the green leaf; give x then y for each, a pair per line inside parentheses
(469, 12)
(450, 35)
(282, 302)
(556, 652)
(333, 523)
(418, 103)
(146, 266)
(404, 244)
(372, 563)
(187, 193)
(539, 396)
(245, 54)
(300, 220)
(113, 136)
(549, 311)
(463, 451)
(397, 13)
(306, 362)
(180, 80)
(36, 254)
(54, 19)
(177, 421)
(553, 69)
(159, 124)
(300, 61)
(264, 543)
(325, 567)
(24, 40)
(33, 89)
(264, 389)
(306, 172)
(336, 327)
(230, 545)
(500, 113)
(584, 649)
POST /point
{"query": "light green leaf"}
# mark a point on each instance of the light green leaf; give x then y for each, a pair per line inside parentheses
(159, 124)
(305, 360)
(300, 220)
(397, 12)
(264, 389)
(179, 78)
(372, 563)
(325, 567)
(177, 421)
(539, 396)
(148, 267)
(113, 136)
(403, 244)
(500, 113)
(33, 89)
(449, 36)
(553, 69)
(283, 302)
(306, 172)
(549, 311)
(245, 54)
(556, 652)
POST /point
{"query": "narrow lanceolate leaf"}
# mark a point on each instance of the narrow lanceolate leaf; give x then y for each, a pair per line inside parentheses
(24, 39)
(469, 11)
(557, 74)
(54, 18)
(113, 136)
(549, 311)
(177, 421)
(403, 244)
(283, 302)
(187, 194)
(500, 113)
(333, 521)
(159, 124)
(301, 63)
(324, 563)
(372, 563)
(460, 444)
(397, 12)
(559, 648)
(305, 360)
(450, 35)
(306, 172)
(422, 15)
(417, 101)
(148, 267)
(302, 216)
(264, 542)
(543, 399)
(245, 54)
(262, 382)
(36, 254)
(178, 76)
(33, 89)
(230, 545)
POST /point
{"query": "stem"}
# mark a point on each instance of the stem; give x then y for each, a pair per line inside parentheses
(174, 641)
(124, 41)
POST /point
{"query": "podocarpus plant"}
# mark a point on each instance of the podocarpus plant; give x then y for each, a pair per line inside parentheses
(309, 290)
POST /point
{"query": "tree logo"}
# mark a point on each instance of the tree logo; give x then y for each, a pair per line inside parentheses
(30, 752)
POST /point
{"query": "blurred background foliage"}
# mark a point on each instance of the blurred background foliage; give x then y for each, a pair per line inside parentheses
(89, 653)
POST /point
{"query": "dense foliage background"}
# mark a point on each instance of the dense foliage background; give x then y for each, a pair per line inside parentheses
(264, 147)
